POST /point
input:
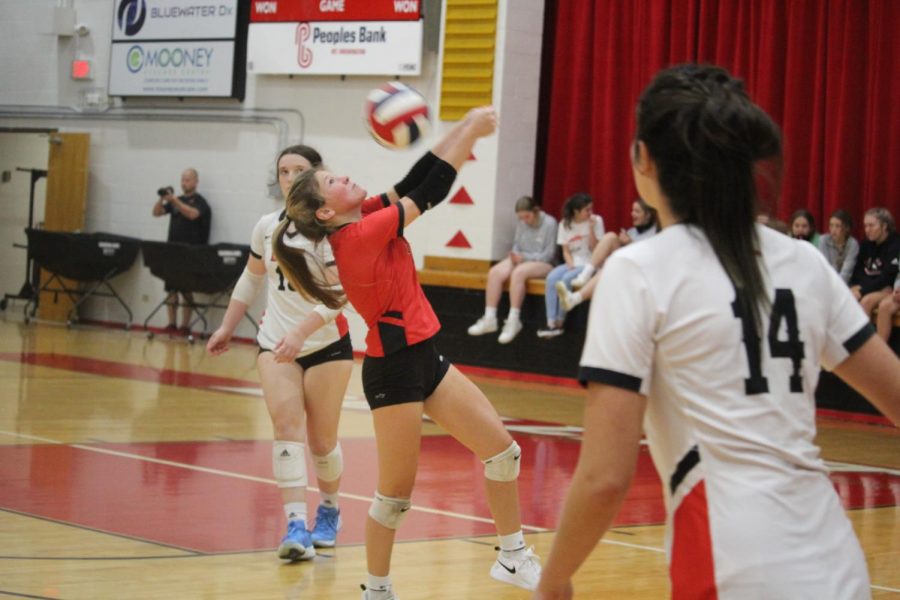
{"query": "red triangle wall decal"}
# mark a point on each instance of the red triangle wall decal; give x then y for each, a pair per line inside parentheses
(461, 197)
(459, 241)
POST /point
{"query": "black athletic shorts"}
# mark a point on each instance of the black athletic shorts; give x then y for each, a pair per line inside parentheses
(409, 375)
(339, 350)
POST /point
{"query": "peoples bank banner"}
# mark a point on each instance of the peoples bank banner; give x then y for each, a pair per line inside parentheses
(178, 48)
(335, 37)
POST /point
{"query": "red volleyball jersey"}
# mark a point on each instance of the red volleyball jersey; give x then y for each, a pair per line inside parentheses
(378, 273)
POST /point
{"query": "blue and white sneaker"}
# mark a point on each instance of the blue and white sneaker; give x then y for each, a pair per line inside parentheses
(296, 543)
(328, 523)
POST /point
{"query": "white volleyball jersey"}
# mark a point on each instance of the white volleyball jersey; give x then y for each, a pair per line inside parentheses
(285, 308)
(731, 416)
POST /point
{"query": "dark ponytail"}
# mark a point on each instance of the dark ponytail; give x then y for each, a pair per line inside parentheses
(706, 138)
(311, 282)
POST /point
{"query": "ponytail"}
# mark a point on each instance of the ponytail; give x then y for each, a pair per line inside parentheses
(706, 138)
(314, 283)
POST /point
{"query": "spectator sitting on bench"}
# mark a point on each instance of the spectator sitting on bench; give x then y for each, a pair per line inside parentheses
(839, 247)
(877, 265)
(534, 247)
(643, 217)
(887, 308)
(803, 227)
(578, 235)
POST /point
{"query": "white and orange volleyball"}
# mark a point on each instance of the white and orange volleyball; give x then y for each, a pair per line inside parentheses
(396, 115)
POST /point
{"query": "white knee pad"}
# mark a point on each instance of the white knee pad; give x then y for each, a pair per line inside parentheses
(330, 466)
(388, 511)
(289, 464)
(504, 466)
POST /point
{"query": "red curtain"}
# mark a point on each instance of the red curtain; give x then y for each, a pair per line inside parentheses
(828, 71)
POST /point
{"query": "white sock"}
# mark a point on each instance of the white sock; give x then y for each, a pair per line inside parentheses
(586, 272)
(329, 500)
(295, 511)
(575, 299)
(378, 584)
(490, 312)
(514, 314)
(512, 544)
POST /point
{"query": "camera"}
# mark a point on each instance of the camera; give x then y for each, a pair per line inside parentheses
(165, 191)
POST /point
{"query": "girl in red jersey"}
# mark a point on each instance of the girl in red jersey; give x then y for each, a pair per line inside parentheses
(403, 374)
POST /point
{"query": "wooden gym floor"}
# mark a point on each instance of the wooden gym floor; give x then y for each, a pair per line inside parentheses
(132, 468)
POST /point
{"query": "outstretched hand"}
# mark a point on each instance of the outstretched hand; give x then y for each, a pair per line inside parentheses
(483, 120)
(218, 342)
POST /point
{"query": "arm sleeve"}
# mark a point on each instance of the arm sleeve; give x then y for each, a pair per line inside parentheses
(517, 237)
(257, 240)
(599, 228)
(850, 260)
(848, 327)
(203, 206)
(416, 174)
(619, 344)
(562, 235)
(548, 252)
(328, 314)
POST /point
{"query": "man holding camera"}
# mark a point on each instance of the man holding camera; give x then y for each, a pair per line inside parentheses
(189, 222)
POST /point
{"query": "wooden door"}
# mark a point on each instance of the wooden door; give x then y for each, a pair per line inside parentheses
(67, 181)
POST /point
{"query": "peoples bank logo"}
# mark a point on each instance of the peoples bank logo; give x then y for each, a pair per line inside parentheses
(131, 16)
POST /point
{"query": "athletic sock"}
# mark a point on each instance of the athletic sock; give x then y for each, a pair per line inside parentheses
(378, 584)
(512, 545)
(514, 314)
(490, 312)
(329, 500)
(295, 511)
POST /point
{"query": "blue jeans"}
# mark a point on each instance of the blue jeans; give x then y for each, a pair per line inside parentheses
(555, 312)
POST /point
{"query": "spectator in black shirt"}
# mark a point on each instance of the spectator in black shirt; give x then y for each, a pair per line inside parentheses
(189, 222)
(876, 266)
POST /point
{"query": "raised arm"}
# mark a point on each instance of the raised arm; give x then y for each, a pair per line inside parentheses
(420, 170)
(450, 155)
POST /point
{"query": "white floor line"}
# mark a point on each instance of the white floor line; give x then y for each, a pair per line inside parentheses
(169, 463)
(530, 528)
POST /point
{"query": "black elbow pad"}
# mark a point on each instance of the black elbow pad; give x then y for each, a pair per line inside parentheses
(436, 186)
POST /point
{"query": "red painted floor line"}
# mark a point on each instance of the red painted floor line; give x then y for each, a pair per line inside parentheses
(108, 368)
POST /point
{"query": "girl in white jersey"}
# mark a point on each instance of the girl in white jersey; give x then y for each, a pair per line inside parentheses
(711, 334)
(300, 380)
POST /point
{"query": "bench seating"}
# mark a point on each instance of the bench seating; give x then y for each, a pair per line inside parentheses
(465, 273)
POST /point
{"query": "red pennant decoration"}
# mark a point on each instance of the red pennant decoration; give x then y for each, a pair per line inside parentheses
(461, 197)
(459, 241)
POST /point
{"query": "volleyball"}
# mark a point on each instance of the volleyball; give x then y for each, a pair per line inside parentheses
(396, 115)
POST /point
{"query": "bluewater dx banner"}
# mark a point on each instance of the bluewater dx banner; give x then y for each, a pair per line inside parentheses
(176, 48)
(337, 37)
